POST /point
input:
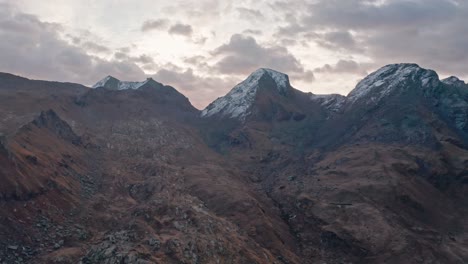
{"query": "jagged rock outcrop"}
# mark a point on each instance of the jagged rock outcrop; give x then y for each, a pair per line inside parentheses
(50, 120)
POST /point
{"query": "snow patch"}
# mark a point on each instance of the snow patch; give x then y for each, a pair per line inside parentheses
(379, 83)
(131, 85)
(109, 81)
(102, 82)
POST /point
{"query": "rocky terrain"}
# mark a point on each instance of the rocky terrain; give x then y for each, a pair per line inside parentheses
(131, 172)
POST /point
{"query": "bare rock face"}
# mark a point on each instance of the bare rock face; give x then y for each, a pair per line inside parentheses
(131, 172)
(50, 120)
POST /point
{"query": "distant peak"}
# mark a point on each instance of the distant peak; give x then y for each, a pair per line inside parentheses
(151, 81)
(113, 83)
(452, 80)
(237, 103)
(385, 80)
(398, 69)
(281, 80)
(106, 82)
(110, 77)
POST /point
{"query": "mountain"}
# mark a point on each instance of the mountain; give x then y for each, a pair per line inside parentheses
(391, 156)
(131, 172)
(389, 146)
(264, 104)
(112, 83)
(265, 95)
(400, 103)
(332, 102)
(454, 81)
(26, 172)
(162, 97)
(21, 99)
(391, 79)
(239, 101)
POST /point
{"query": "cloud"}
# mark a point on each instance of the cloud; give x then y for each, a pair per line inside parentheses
(200, 40)
(432, 33)
(194, 60)
(199, 62)
(255, 32)
(94, 47)
(307, 76)
(288, 42)
(149, 25)
(36, 49)
(378, 15)
(344, 66)
(141, 59)
(145, 59)
(181, 29)
(243, 55)
(288, 6)
(341, 40)
(203, 10)
(292, 29)
(250, 14)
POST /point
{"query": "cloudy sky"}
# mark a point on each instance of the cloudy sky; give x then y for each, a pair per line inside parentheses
(203, 48)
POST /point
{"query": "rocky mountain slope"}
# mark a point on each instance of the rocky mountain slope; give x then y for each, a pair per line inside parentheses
(131, 172)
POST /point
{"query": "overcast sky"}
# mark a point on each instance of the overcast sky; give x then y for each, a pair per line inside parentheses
(203, 48)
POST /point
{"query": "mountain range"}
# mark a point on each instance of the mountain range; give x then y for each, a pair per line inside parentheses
(131, 172)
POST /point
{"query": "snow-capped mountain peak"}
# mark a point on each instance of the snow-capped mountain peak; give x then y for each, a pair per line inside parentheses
(106, 81)
(281, 79)
(115, 84)
(237, 103)
(452, 80)
(385, 80)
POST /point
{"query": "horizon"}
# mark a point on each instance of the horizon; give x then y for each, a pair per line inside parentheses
(203, 107)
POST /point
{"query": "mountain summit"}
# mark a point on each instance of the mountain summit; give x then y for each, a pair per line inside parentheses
(113, 83)
(391, 77)
(238, 102)
(452, 80)
(151, 90)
